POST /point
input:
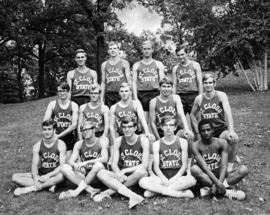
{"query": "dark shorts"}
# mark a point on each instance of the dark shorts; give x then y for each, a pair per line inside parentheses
(111, 98)
(70, 140)
(146, 96)
(80, 100)
(169, 173)
(218, 131)
(187, 101)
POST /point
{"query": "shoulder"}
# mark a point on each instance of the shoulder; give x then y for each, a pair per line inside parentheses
(175, 67)
(104, 108)
(36, 146)
(176, 98)
(74, 105)
(183, 141)
(61, 145)
(221, 142)
(159, 63)
(221, 94)
(198, 99)
(136, 65)
(156, 145)
(113, 107)
(153, 101)
(92, 71)
(104, 141)
(52, 104)
(195, 64)
(118, 141)
(82, 107)
(71, 73)
(125, 62)
(103, 64)
(78, 144)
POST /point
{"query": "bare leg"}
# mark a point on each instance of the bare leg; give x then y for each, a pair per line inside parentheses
(203, 178)
(23, 179)
(232, 146)
(237, 174)
(183, 183)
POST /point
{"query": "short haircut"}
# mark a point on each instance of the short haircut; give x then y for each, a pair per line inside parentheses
(125, 84)
(96, 87)
(64, 85)
(180, 47)
(80, 51)
(148, 42)
(205, 122)
(48, 122)
(127, 119)
(166, 80)
(166, 119)
(87, 123)
(112, 43)
(208, 75)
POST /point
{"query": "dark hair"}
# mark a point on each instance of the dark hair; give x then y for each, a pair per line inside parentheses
(124, 85)
(166, 119)
(180, 47)
(112, 43)
(91, 125)
(208, 75)
(96, 86)
(48, 122)
(64, 85)
(80, 51)
(205, 122)
(166, 80)
(127, 119)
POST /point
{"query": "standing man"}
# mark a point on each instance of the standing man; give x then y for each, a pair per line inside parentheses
(187, 78)
(88, 157)
(164, 105)
(95, 112)
(211, 156)
(49, 154)
(81, 79)
(114, 72)
(130, 161)
(170, 165)
(214, 105)
(146, 76)
(65, 115)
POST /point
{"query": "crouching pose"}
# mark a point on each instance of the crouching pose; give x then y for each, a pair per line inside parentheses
(210, 170)
(170, 164)
(129, 164)
(87, 159)
(49, 154)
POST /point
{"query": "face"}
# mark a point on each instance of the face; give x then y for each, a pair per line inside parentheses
(47, 132)
(62, 93)
(182, 55)
(125, 93)
(129, 129)
(166, 89)
(88, 131)
(209, 84)
(147, 50)
(95, 95)
(206, 132)
(80, 59)
(169, 127)
(113, 50)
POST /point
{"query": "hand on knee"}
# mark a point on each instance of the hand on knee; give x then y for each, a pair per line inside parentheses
(243, 171)
(98, 166)
(66, 168)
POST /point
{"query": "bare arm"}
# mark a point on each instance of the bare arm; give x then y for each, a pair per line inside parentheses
(198, 71)
(227, 110)
(134, 80)
(106, 114)
(69, 81)
(49, 110)
(180, 112)
(116, 155)
(194, 112)
(80, 121)
(141, 116)
(224, 159)
(94, 75)
(112, 123)
(174, 78)
(103, 79)
(75, 153)
(35, 162)
(127, 71)
(152, 114)
(160, 70)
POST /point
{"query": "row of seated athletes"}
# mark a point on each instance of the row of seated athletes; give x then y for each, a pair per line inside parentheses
(130, 163)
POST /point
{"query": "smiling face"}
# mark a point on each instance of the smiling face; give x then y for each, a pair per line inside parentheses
(182, 56)
(125, 92)
(166, 89)
(113, 50)
(48, 132)
(94, 95)
(88, 130)
(147, 49)
(128, 129)
(209, 84)
(80, 58)
(62, 93)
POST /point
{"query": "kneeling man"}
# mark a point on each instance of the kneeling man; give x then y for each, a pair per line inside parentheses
(210, 170)
(88, 157)
(129, 164)
(49, 154)
(170, 164)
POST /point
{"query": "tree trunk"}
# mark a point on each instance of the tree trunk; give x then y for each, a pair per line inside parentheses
(19, 80)
(100, 56)
(265, 82)
(245, 73)
(41, 66)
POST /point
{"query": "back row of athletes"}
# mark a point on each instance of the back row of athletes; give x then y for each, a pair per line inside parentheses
(130, 151)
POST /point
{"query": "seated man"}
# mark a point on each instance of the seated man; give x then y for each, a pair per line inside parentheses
(210, 170)
(170, 164)
(49, 154)
(129, 164)
(93, 154)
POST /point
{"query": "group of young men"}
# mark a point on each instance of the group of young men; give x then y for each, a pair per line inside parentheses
(132, 129)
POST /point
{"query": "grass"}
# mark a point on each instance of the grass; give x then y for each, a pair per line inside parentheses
(20, 129)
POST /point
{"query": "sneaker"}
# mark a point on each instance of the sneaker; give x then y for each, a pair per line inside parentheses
(133, 202)
(186, 194)
(149, 194)
(23, 190)
(52, 189)
(66, 195)
(101, 197)
(235, 194)
(204, 191)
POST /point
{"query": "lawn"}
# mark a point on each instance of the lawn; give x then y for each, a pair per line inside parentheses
(20, 129)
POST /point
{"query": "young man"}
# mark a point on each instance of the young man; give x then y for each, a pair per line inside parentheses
(95, 112)
(81, 79)
(170, 164)
(88, 157)
(114, 72)
(65, 114)
(187, 78)
(130, 161)
(167, 104)
(49, 155)
(210, 170)
(214, 105)
(126, 107)
(146, 76)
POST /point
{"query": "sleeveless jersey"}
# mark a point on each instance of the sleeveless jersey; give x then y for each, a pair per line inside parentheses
(121, 112)
(49, 157)
(62, 117)
(186, 79)
(148, 77)
(170, 157)
(114, 76)
(130, 155)
(81, 83)
(212, 109)
(94, 115)
(167, 108)
(90, 152)
(212, 157)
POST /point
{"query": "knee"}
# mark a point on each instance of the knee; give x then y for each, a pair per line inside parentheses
(102, 174)
(143, 182)
(66, 168)
(243, 170)
(195, 171)
(15, 177)
(191, 179)
(139, 173)
(98, 166)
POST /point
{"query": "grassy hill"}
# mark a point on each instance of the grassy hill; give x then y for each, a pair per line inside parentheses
(20, 129)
